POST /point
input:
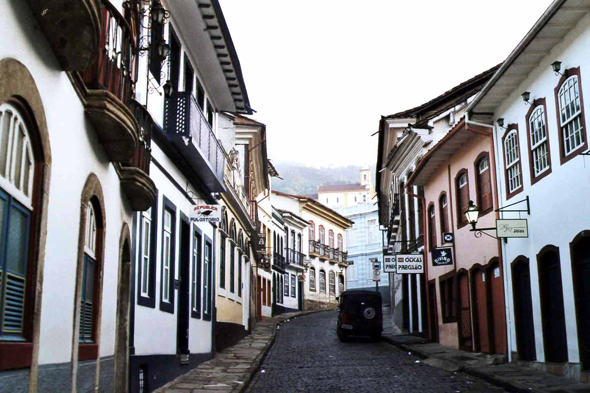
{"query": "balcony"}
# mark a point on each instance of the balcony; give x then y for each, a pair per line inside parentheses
(109, 85)
(72, 30)
(188, 130)
(314, 248)
(135, 174)
(279, 262)
(295, 258)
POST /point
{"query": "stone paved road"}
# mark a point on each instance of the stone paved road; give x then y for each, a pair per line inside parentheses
(308, 357)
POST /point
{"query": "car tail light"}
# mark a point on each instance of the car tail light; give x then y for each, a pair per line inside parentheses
(344, 319)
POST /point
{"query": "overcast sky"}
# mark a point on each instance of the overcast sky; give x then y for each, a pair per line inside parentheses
(320, 73)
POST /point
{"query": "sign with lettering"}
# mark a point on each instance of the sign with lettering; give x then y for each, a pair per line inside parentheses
(512, 228)
(206, 213)
(389, 264)
(442, 256)
(409, 263)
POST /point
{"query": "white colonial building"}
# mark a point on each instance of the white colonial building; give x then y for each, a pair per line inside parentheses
(325, 235)
(535, 107)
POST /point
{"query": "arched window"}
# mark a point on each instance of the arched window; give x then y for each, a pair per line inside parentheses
(241, 240)
(512, 165)
(312, 279)
(340, 242)
(340, 283)
(539, 154)
(91, 260)
(232, 230)
(224, 222)
(322, 281)
(331, 238)
(17, 173)
(431, 227)
(462, 187)
(573, 137)
(444, 213)
(311, 230)
(332, 283)
(322, 235)
(484, 184)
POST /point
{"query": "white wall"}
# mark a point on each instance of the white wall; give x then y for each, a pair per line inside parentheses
(559, 208)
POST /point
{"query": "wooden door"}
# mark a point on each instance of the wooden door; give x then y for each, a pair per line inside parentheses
(465, 336)
(405, 303)
(552, 310)
(432, 306)
(259, 299)
(415, 309)
(482, 340)
(523, 311)
(496, 301)
(182, 328)
(581, 274)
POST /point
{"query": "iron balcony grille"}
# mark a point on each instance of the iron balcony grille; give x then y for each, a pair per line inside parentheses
(188, 129)
(279, 261)
(295, 257)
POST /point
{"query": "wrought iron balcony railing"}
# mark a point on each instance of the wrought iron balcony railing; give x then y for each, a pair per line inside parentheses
(189, 130)
(143, 154)
(115, 67)
(279, 261)
(295, 257)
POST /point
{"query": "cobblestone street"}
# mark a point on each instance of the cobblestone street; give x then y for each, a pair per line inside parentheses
(308, 357)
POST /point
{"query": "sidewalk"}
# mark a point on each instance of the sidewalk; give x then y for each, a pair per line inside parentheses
(492, 368)
(232, 369)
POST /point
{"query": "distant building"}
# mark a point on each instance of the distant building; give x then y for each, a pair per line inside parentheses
(344, 195)
(363, 241)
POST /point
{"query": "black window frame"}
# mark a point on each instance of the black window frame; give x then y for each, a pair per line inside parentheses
(208, 294)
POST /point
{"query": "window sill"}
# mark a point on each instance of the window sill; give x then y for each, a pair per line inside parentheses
(221, 292)
(15, 355)
(149, 302)
(514, 193)
(87, 351)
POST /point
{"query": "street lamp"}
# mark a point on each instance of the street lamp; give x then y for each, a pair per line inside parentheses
(472, 214)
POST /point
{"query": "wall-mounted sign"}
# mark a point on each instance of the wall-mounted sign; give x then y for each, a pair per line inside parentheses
(448, 237)
(442, 256)
(389, 264)
(409, 263)
(512, 228)
(206, 213)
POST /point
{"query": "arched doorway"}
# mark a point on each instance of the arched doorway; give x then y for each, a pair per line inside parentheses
(123, 304)
(552, 310)
(465, 336)
(480, 310)
(580, 250)
(523, 309)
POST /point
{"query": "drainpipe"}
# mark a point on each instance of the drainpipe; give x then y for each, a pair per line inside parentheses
(501, 247)
(424, 213)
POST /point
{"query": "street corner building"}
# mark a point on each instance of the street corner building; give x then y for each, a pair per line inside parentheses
(508, 147)
(327, 262)
(110, 133)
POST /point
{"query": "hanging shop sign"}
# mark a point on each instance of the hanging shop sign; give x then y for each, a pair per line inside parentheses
(512, 228)
(442, 256)
(409, 263)
(261, 244)
(206, 213)
(389, 264)
(448, 237)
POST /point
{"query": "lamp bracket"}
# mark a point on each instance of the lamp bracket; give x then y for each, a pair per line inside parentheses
(479, 232)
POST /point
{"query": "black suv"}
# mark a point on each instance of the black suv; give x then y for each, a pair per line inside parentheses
(359, 313)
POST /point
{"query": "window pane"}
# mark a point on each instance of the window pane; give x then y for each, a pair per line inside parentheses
(89, 280)
(17, 240)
